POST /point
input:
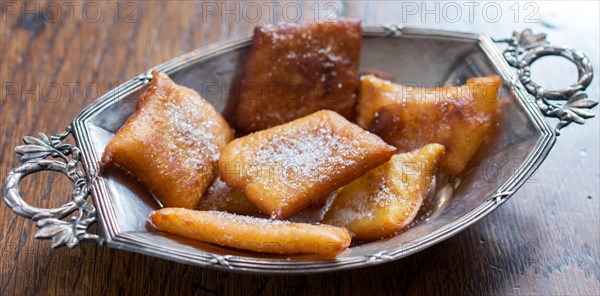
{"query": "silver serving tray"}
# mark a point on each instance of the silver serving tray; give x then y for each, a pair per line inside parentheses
(521, 141)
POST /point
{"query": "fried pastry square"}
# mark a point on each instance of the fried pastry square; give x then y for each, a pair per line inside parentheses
(221, 197)
(457, 117)
(251, 233)
(295, 69)
(171, 143)
(387, 198)
(285, 168)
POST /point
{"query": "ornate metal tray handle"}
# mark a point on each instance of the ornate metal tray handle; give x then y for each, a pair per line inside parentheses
(34, 154)
(524, 48)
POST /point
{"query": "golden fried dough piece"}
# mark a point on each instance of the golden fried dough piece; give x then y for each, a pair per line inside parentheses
(285, 168)
(457, 117)
(295, 69)
(171, 143)
(387, 198)
(220, 197)
(251, 233)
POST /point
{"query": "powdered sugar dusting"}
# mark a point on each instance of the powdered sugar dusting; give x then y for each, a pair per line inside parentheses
(235, 218)
(311, 155)
(394, 190)
(364, 203)
(217, 196)
(191, 128)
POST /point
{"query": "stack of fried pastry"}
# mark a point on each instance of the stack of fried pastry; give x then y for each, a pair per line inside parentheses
(300, 150)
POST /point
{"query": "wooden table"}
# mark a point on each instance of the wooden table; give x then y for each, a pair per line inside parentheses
(56, 58)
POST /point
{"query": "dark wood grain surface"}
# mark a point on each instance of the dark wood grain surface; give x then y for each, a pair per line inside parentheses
(57, 57)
